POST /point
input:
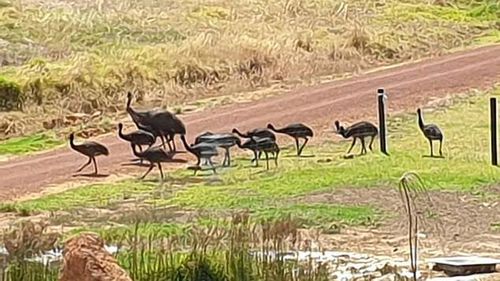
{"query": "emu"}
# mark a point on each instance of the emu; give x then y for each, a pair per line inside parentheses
(159, 122)
(258, 132)
(138, 137)
(203, 151)
(431, 132)
(154, 155)
(91, 149)
(296, 131)
(266, 145)
(359, 130)
(224, 141)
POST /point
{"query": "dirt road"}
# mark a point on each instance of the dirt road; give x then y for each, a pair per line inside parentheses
(347, 100)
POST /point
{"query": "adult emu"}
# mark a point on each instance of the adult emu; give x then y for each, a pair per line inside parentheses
(159, 122)
(91, 149)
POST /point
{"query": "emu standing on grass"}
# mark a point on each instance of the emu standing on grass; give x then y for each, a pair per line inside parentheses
(359, 130)
(224, 141)
(266, 145)
(296, 131)
(91, 149)
(258, 132)
(154, 155)
(203, 151)
(431, 132)
(138, 137)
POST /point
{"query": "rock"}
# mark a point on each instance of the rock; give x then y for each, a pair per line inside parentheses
(86, 259)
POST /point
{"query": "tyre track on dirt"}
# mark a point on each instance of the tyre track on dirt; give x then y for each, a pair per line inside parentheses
(350, 99)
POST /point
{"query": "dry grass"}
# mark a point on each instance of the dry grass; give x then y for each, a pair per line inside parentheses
(81, 56)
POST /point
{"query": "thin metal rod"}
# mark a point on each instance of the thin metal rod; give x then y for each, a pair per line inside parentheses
(493, 122)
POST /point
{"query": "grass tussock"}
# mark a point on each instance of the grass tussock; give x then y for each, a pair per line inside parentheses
(202, 253)
(66, 57)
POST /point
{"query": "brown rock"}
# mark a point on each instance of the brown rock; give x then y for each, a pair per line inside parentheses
(86, 259)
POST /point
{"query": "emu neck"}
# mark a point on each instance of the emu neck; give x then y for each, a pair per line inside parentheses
(186, 145)
(343, 132)
(136, 153)
(240, 134)
(72, 143)
(420, 121)
(120, 132)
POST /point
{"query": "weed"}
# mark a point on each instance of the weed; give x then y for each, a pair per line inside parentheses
(29, 144)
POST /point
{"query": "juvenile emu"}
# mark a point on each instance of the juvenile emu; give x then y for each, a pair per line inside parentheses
(154, 155)
(360, 130)
(203, 151)
(259, 145)
(91, 149)
(224, 141)
(431, 132)
(138, 137)
(296, 131)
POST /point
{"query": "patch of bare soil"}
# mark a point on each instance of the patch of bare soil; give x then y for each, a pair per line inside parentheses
(452, 223)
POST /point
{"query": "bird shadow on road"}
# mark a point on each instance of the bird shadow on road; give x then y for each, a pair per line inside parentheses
(92, 175)
(139, 164)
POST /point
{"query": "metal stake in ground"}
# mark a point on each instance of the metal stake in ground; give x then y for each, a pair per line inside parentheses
(382, 98)
(493, 123)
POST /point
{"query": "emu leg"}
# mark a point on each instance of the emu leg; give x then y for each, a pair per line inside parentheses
(212, 165)
(432, 152)
(84, 165)
(352, 145)
(276, 158)
(95, 166)
(161, 171)
(440, 147)
(303, 145)
(256, 159)
(297, 145)
(267, 160)
(363, 147)
(228, 156)
(151, 166)
(140, 149)
(371, 143)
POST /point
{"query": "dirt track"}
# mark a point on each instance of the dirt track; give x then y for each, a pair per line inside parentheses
(347, 100)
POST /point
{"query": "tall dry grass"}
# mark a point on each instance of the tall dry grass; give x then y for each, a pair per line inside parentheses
(81, 56)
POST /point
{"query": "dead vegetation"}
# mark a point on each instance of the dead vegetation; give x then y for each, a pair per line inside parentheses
(64, 57)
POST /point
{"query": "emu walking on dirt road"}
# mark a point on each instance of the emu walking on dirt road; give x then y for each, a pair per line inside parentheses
(91, 149)
(431, 132)
(360, 130)
(138, 137)
(159, 122)
(296, 131)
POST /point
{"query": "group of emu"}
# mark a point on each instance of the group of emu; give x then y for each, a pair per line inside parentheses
(159, 123)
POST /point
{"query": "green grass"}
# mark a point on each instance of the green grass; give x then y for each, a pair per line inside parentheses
(24, 145)
(270, 194)
(82, 57)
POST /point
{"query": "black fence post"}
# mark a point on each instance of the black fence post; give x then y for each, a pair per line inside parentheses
(493, 122)
(381, 120)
